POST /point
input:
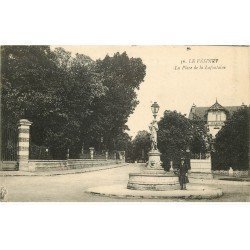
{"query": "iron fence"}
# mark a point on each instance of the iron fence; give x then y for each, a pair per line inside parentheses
(39, 152)
(100, 155)
(9, 143)
(199, 156)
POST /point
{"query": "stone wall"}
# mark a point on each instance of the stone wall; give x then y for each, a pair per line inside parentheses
(221, 172)
(82, 163)
(49, 165)
(240, 173)
(45, 165)
(24, 163)
(235, 173)
(8, 166)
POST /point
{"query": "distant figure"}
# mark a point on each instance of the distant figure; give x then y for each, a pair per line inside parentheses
(183, 178)
(153, 134)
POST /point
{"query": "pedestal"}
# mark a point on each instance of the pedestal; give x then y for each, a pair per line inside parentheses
(91, 150)
(231, 172)
(154, 160)
(153, 177)
(201, 169)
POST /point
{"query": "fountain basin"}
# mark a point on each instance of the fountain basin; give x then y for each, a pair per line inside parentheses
(157, 180)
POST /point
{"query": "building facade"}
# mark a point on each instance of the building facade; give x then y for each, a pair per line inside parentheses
(214, 116)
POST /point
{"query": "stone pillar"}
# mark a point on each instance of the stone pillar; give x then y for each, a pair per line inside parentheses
(171, 166)
(124, 156)
(82, 152)
(91, 149)
(23, 144)
(231, 172)
(106, 155)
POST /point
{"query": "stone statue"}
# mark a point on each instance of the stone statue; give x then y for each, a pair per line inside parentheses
(153, 134)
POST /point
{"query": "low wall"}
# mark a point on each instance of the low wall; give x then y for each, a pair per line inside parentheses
(45, 165)
(79, 163)
(235, 173)
(8, 166)
(240, 173)
(221, 172)
(50, 165)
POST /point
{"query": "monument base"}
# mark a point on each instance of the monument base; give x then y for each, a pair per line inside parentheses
(153, 177)
(154, 160)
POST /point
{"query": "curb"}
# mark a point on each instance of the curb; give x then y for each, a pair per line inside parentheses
(123, 193)
(78, 171)
(219, 182)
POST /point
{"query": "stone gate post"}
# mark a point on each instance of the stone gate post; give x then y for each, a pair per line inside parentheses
(106, 155)
(91, 149)
(23, 144)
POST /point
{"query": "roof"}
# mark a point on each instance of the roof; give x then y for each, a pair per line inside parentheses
(216, 106)
(201, 112)
(198, 111)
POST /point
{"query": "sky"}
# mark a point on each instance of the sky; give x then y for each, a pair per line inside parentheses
(178, 76)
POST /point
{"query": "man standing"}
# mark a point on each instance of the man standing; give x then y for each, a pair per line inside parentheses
(183, 179)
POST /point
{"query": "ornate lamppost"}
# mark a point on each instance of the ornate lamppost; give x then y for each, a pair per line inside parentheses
(188, 152)
(155, 109)
(154, 161)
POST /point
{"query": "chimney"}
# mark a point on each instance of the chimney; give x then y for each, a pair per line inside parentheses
(192, 111)
(193, 108)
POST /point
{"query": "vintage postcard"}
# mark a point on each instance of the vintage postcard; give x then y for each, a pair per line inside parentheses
(125, 123)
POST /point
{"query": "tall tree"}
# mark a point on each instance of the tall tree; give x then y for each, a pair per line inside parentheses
(200, 139)
(50, 88)
(71, 100)
(176, 134)
(121, 76)
(232, 142)
(174, 137)
(27, 73)
(79, 86)
(141, 146)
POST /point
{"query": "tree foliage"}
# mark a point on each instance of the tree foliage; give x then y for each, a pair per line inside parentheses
(177, 134)
(174, 137)
(232, 142)
(71, 100)
(141, 146)
(201, 139)
(121, 77)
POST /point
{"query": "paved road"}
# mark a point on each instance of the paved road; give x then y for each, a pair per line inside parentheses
(72, 187)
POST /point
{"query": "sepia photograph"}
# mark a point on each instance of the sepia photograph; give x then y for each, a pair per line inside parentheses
(125, 123)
